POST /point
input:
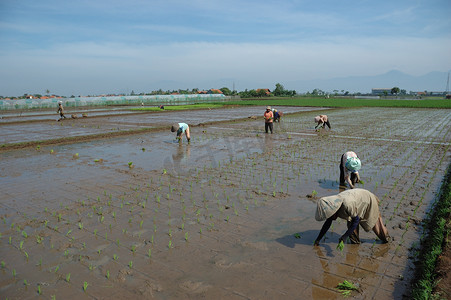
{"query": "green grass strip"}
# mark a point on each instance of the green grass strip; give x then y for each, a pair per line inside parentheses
(344, 102)
(433, 242)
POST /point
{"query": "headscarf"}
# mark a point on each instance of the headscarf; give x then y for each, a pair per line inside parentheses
(327, 207)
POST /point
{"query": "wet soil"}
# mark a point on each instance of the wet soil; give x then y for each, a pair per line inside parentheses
(230, 215)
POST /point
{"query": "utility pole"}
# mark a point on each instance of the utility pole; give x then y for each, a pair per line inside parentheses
(447, 86)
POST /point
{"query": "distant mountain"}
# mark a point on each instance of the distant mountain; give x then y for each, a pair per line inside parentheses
(432, 82)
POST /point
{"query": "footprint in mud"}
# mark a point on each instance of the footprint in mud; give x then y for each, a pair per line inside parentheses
(123, 274)
(195, 287)
(149, 288)
(225, 264)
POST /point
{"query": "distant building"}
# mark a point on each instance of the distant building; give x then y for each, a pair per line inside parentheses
(214, 91)
(380, 92)
(267, 91)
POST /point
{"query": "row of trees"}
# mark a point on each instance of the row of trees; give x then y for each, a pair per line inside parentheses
(279, 91)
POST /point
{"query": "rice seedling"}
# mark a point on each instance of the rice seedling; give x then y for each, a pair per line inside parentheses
(21, 245)
(133, 248)
(130, 264)
(68, 277)
(85, 286)
(346, 288)
(39, 290)
(26, 255)
(24, 234)
(25, 282)
(2, 264)
(57, 268)
(149, 253)
(115, 257)
(107, 274)
(80, 225)
(340, 246)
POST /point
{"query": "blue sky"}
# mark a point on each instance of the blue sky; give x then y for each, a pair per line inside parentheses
(94, 47)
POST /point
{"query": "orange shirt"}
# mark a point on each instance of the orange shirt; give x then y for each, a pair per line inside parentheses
(269, 116)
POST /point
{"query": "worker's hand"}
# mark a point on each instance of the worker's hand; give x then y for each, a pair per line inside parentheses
(352, 186)
(341, 239)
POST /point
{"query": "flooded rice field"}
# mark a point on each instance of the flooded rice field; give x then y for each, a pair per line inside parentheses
(230, 215)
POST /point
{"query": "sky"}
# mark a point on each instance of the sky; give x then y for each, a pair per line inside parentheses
(88, 47)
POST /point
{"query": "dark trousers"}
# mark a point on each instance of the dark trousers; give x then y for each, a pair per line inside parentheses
(342, 174)
(268, 125)
(354, 237)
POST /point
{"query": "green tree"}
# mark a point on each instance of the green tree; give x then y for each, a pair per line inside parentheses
(279, 90)
(395, 90)
(262, 93)
(226, 91)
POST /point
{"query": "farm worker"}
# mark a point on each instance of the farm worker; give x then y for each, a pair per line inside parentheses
(276, 116)
(357, 206)
(181, 128)
(349, 169)
(61, 110)
(322, 120)
(269, 118)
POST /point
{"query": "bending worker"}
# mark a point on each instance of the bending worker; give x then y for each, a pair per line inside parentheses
(181, 128)
(322, 120)
(349, 169)
(357, 206)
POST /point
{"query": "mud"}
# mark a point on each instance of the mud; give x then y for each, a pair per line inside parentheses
(215, 218)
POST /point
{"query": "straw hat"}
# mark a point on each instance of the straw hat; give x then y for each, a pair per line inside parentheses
(317, 118)
(353, 164)
(174, 127)
(268, 107)
(327, 207)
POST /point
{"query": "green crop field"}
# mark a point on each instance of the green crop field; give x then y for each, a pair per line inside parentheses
(343, 102)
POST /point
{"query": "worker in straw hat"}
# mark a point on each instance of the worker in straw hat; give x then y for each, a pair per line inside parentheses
(359, 207)
(181, 128)
(322, 120)
(349, 169)
(269, 119)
